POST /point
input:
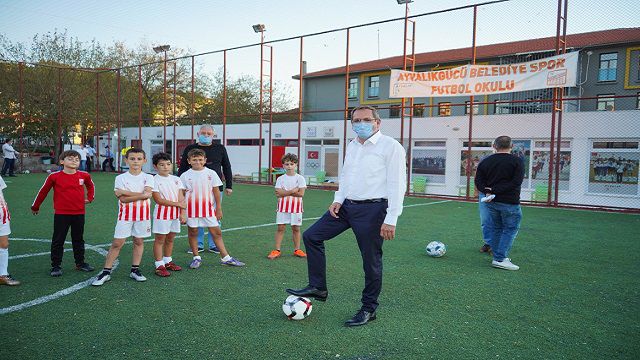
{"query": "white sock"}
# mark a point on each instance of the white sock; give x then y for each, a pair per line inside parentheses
(167, 259)
(4, 261)
(226, 258)
(159, 263)
(197, 257)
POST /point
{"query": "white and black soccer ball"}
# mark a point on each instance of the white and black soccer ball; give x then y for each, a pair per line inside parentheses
(296, 307)
(436, 249)
(26, 171)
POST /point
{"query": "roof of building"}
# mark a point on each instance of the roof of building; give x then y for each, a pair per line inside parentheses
(579, 41)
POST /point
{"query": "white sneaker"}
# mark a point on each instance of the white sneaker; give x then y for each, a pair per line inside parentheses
(101, 279)
(505, 264)
(137, 276)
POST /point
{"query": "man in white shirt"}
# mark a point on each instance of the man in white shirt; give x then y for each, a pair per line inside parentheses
(83, 157)
(369, 201)
(91, 153)
(9, 157)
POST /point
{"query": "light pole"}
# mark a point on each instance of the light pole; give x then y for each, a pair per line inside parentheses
(260, 28)
(164, 49)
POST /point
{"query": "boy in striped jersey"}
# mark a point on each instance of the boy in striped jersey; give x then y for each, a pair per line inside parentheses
(133, 190)
(5, 230)
(202, 193)
(168, 193)
(289, 191)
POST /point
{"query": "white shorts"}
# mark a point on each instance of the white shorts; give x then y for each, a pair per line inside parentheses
(204, 222)
(164, 227)
(5, 229)
(289, 218)
(139, 229)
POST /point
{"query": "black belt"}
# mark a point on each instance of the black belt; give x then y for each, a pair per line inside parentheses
(367, 201)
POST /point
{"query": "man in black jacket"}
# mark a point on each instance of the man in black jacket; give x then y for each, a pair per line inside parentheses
(218, 161)
(499, 178)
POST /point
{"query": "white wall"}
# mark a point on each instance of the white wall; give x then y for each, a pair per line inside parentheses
(578, 127)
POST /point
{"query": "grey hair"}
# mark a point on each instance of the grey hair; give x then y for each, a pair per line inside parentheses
(365, 107)
(207, 126)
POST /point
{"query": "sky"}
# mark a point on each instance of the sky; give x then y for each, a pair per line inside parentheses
(200, 26)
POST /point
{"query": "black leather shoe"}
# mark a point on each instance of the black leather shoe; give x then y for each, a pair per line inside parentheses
(361, 318)
(310, 291)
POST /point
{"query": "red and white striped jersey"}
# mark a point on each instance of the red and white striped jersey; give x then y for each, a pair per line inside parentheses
(290, 204)
(199, 186)
(5, 217)
(138, 210)
(169, 188)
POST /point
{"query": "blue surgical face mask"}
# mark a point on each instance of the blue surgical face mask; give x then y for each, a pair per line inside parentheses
(205, 140)
(363, 129)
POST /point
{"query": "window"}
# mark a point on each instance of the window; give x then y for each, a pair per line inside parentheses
(244, 142)
(374, 86)
(418, 110)
(476, 108)
(613, 167)
(608, 66)
(394, 111)
(540, 162)
(444, 109)
(615, 144)
(605, 102)
(353, 88)
(500, 107)
(428, 163)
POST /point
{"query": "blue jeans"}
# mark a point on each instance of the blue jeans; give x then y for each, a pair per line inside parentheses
(503, 225)
(201, 231)
(83, 165)
(484, 220)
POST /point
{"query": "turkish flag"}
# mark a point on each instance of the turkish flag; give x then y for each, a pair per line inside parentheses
(312, 155)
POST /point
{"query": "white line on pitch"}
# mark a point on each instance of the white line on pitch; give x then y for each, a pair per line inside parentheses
(97, 248)
(61, 293)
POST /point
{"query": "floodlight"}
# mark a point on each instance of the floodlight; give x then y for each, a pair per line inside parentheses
(401, 2)
(259, 28)
(161, 48)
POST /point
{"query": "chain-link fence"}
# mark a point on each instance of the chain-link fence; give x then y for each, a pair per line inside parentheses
(580, 146)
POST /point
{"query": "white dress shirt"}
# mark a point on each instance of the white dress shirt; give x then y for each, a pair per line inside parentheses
(83, 153)
(90, 151)
(8, 151)
(373, 170)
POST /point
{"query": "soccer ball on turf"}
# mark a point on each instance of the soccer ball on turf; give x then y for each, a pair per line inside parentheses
(26, 171)
(296, 307)
(436, 249)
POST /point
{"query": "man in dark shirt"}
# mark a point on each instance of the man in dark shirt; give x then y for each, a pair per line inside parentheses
(501, 175)
(218, 161)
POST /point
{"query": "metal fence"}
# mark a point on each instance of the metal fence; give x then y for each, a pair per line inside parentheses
(579, 145)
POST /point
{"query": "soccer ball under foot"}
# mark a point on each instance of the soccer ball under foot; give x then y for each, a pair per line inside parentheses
(436, 249)
(296, 307)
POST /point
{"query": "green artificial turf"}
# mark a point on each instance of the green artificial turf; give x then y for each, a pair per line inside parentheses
(575, 296)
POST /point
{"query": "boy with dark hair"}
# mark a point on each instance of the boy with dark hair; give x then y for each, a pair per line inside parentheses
(289, 192)
(69, 206)
(133, 190)
(501, 175)
(169, 213)
(202, 192)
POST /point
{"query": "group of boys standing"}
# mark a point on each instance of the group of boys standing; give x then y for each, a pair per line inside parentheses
(369, 201)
